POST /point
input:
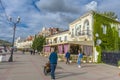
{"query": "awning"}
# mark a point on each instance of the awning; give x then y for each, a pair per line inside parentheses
(90, 43)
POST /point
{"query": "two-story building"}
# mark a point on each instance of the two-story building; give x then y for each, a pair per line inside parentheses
(49, 31)
(82, 35)
(59, 41)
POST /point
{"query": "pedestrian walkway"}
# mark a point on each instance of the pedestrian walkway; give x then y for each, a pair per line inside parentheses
(30, 67)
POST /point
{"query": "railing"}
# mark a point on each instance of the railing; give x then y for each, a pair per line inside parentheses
(82, 33)
(111, 58)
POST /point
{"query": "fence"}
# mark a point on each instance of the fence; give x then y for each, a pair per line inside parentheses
(111, 58)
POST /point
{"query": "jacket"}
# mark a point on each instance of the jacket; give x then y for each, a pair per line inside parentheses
(67, 55)
(53, 58)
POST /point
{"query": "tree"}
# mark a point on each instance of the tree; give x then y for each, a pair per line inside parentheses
(110, 14)
(38, 43)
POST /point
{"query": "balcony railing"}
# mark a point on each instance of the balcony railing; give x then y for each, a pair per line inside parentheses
(82, 33)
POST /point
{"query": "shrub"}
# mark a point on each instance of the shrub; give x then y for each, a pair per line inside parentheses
(119, 63)
(84, 59)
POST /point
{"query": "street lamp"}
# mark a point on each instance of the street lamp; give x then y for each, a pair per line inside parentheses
(14, 28)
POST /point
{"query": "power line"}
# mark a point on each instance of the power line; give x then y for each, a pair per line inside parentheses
(3, 9)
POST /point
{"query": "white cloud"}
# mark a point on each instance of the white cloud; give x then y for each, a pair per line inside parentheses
(57, 6)
(38, 13)
(91, 6)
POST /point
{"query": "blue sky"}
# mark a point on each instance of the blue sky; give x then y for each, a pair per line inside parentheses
(48, 13)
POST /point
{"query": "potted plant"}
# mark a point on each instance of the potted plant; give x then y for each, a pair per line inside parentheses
(90, 59)
(119, 64)
(84, 59)
(59, 58)
(71, 59)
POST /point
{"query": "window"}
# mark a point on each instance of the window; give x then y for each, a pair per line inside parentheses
(80, 30)
(72, 32)
(76, 30)
(65, 38)
(60, 39)
(104, 29)
(119, 32)
(87, 30)
(50, 41)
(86, 27)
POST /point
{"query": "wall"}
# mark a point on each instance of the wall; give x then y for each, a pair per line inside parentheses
(57, 36)
(76, 25)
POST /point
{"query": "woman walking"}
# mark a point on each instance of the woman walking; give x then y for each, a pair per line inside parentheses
(80, 56)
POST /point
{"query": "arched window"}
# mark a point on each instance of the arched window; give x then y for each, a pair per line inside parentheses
(86, 27)
(72, 32)
(76, 30)
(79, 30)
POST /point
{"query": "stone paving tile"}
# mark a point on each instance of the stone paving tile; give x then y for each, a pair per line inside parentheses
(30, 67)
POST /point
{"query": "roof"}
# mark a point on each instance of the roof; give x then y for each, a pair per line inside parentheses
(86, 14)
(92, 13)
(58, 33)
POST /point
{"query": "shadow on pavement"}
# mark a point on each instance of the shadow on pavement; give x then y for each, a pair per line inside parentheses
(67, 74)
(89, 65)
(12, 63)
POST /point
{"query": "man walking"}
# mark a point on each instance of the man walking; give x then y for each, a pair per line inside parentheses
(53, 62)
(67, 56)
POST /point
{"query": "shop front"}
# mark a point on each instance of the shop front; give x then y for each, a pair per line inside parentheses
(73, 47)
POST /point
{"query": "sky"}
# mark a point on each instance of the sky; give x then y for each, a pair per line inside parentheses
(36, 14)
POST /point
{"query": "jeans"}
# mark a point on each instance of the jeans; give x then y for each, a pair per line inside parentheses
(53, 67)
(67, 61)
(79, 61)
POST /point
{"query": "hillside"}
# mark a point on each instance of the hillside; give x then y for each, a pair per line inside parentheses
(3, 42)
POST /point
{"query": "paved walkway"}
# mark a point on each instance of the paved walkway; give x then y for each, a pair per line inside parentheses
(30, 67)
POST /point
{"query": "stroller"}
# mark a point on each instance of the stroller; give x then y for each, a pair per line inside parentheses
(47, 69)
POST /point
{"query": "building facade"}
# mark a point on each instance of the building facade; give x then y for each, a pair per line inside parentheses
(24, 43)
(81, 35)
(49, 31)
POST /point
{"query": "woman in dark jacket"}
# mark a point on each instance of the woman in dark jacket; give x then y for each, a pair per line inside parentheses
(67, 56)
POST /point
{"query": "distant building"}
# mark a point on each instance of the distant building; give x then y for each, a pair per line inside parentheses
(24, 43)
(49, 31)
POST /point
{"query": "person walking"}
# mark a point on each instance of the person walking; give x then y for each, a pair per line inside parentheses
(80, 56)
(23, 51)
(53, 58)
(67, 56)
(31, 51)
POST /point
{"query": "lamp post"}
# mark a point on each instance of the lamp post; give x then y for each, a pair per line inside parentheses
(14, 29)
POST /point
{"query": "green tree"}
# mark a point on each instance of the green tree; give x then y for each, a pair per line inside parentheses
(110, 15)
(38, 43)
